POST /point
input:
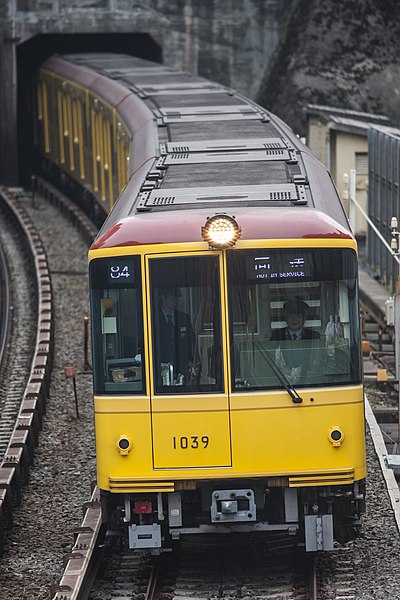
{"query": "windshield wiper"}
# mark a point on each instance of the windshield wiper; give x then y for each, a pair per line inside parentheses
(296, 399)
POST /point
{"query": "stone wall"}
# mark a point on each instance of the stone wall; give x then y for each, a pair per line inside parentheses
(227, 40)
(230, 41)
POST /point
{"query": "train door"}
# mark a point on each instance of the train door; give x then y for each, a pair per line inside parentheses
(189, 399)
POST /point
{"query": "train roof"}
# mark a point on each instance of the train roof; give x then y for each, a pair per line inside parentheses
(199, 148)
(184, 226)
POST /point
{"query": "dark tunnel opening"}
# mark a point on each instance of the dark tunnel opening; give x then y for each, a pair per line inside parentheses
(33, 52)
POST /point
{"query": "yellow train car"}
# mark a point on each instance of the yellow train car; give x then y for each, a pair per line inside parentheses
(226, 345)
(80, 134)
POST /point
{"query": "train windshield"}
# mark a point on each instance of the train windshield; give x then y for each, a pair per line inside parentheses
(117, 325)
(186, 324)
(295, 310)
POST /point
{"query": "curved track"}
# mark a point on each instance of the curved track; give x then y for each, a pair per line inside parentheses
(27, 359)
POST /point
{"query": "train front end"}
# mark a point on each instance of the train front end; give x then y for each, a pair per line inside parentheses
(208, 417)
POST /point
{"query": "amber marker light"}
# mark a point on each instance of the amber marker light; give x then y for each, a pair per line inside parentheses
(124, 445)
(221, 231)
(336, 436)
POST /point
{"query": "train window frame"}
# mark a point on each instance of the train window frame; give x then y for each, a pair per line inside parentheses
(115, 287)
(330, 299)
(208, 361)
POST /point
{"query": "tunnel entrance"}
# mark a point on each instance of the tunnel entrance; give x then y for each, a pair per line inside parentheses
(32, 53)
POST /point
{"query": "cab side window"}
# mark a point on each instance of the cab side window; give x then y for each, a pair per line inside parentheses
(117, 326)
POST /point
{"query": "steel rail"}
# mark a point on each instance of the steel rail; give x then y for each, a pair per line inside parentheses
(152, 587)
(5, 315)
(84, 559)
(312, 577)
(5, 300)
(24, 436)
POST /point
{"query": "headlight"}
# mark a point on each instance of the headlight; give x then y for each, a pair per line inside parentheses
(221, 231)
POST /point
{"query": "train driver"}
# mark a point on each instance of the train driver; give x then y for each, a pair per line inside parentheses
(174, 339)
(292, 355)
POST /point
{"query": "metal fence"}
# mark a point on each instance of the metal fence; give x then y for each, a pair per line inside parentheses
(383, 200)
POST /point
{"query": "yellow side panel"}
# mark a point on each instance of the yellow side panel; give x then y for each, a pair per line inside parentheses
(110, 463)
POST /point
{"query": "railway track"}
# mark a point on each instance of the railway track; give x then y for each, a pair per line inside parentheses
(26, 352)
(230, 566)
(83, 561)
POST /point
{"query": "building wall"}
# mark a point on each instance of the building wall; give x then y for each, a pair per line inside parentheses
(318, 139)
(338, 151)
(343, 159)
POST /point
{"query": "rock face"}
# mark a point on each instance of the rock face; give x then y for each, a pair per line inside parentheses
(340, 53)
(230, 41)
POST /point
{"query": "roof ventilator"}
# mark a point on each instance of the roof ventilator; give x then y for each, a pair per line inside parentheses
(226, 150)
(219, 195)
(210, 113)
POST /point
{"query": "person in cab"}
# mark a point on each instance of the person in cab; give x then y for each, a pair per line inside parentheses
(174, 339)
(293, 354)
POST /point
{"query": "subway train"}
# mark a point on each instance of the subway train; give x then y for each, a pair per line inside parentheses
(227, 371)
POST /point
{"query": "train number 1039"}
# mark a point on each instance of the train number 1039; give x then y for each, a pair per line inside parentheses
(193, 441)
